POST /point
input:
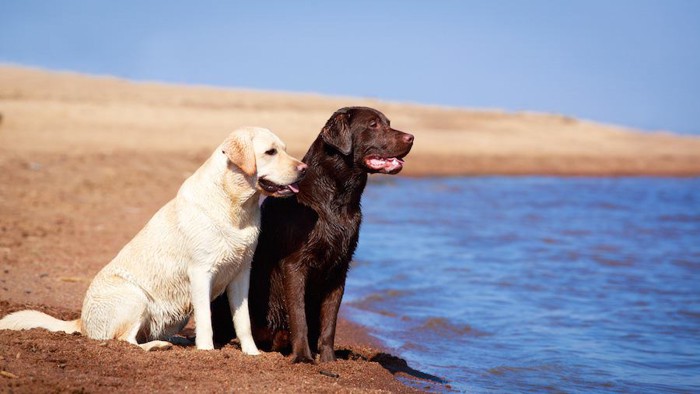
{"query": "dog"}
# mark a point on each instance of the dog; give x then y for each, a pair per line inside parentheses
(307, 241)
(195, 248)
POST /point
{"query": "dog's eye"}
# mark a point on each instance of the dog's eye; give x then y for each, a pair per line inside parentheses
(271, 152)
(373, 124)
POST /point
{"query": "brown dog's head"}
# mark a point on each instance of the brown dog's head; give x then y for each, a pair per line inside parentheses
(366, 135)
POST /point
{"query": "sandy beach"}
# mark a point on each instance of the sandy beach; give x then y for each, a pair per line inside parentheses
(60, 222)
(86, 161)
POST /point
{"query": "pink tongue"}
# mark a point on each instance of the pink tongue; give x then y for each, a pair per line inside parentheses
(377, 163)
(392, 164)
(294, 187)
(388, 165)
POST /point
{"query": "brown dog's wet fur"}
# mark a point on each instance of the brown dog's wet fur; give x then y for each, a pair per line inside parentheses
(307, 241)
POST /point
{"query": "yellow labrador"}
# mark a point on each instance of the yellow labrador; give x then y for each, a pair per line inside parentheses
(197, 246)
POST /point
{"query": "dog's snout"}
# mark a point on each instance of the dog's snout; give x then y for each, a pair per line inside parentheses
(408, 138)
(302, 169)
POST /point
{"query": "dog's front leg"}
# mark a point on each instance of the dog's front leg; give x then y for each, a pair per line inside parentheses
(329, 317)
(295, 291)
(200, 289)
(237, 293)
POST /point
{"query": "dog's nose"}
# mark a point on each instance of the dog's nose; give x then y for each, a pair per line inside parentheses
(408, 138)
(302, 169)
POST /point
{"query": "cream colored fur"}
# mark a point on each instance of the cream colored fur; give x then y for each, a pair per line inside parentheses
(197, 246)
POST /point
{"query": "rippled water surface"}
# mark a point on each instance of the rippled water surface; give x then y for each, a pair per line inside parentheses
(535, 284)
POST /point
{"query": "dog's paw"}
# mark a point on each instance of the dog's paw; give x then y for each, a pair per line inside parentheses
(156, 346)
(296, 359)
(248, 346)
(205, 346)
(251, 351)
(327, 356)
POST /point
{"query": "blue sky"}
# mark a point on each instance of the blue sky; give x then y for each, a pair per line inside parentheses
(628, 62)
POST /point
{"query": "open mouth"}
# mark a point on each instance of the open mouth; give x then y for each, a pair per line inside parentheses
(385, 165)
(278, 190)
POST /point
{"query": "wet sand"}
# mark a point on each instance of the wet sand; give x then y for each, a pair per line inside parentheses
(85, 162)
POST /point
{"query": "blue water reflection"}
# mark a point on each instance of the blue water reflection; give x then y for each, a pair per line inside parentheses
(535, 284)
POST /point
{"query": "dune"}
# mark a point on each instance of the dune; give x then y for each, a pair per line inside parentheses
(68, 113)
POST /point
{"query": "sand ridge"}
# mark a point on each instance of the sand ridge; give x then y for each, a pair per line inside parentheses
(46, 111)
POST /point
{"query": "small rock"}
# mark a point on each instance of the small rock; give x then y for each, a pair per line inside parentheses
(70, 279)
(329, 374)
(8, 375)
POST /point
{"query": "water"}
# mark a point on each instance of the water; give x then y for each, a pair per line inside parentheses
(506, 284)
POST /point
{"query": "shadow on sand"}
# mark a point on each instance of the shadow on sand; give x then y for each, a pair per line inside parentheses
(393, 364)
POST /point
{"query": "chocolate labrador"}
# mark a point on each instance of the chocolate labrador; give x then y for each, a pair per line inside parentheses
(307, 241)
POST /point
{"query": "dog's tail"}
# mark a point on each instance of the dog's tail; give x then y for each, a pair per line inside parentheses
(25, 320)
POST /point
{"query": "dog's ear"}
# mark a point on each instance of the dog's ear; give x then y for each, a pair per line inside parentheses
(238, 148)
(336, 132)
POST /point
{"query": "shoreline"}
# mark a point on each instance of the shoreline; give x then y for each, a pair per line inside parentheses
(38, 360)
(62, 218)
